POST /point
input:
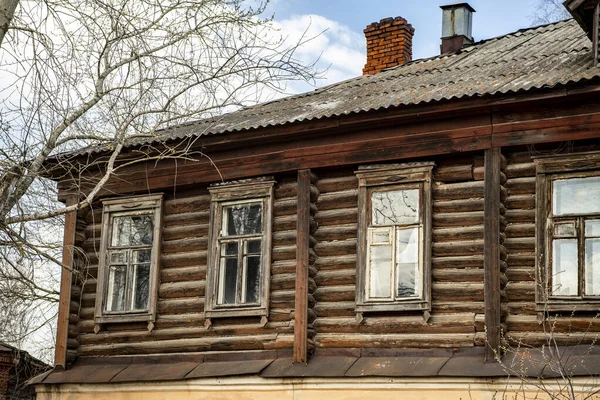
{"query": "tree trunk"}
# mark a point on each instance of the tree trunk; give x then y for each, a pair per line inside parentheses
(7, 12)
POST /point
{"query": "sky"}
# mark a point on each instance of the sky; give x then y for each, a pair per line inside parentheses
(341, 46)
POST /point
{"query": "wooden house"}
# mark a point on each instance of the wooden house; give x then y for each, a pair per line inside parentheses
(387, 237)
(16, 368)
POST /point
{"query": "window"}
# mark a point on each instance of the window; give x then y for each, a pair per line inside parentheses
(568, 227)
(394, 238)
(127, 274)
(240, 248)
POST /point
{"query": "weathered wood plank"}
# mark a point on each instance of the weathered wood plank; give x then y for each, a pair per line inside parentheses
(300, 354)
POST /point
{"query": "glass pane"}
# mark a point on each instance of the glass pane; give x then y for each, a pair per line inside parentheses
(228, 283)
(592, 228)
(132, 230)
(407, 262)
(380, 236)
(118, 257)
(380, 264)
(592, 267)
(396, 207)
(253, 247)
(252, 279)
(564, 229)
(117, 278)
(141, 287)
(229, 249)
(565, 274)
(142, 256)
(243, 219)
(576, 196)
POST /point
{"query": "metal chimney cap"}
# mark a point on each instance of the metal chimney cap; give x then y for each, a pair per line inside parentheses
(458, 5)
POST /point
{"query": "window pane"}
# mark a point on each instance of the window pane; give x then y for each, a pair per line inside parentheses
(592, 267)
(565, 274)
(592, 228)
(253, 247)
(380, 264)
(576, 196)
(380, 236)
(229, 249)
(117, 278)
(407, 262)
(228, 282)
(132, 230)
(564, 229)
(252, 279)
(141, 286)
(395, 207)
(243, 219)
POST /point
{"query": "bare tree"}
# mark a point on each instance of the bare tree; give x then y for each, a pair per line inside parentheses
(102, 72)
(547, 11)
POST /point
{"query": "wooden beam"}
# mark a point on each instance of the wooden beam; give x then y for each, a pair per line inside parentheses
(66, 277)
(491, 243)
(302, 261)
(596, 34)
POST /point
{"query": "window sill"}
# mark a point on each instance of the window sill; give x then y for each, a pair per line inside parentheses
(116, 318)
(236, 312)
(414, 305)
(569, 306)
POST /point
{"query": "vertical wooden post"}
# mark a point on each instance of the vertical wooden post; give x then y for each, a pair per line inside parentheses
(596, 34)
(302, 262)
(491, 241)
(60, 354)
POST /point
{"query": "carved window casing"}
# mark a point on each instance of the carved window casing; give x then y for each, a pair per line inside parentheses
(394, 238)
(240, 248)
(568, 232)
(128, 261)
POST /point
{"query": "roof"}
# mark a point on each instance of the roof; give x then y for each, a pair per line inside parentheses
(581, 360)
(542, 57)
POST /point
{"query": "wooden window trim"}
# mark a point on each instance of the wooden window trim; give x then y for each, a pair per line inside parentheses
(259, 190)
(152, 203)
(548, 169)
(374, 177)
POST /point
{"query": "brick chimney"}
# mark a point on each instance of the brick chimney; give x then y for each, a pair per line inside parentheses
(389, 44)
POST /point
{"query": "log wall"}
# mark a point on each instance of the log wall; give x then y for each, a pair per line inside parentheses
(457, 269)
(180, 320)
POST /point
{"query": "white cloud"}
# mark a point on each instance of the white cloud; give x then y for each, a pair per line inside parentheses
(340, 50)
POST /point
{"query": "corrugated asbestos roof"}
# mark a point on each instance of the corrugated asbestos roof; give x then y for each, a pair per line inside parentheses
(542, 57)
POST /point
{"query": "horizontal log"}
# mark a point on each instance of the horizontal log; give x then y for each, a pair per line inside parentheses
(336, 200)
(452, 307)
(341, 216)
(458, 248)
(347, 181)
(335, 293)
(400, 324)
(520, 230)
(455, 191)
(183, 232)
(520, 201)
(288, 282)
(458, 233)
(183, 274)
(458, 275)
(538, 339)
(289, 207)
(173, 290)
(283, 267)
(336, 232)
(470, 291)
(284, 223)
(335, 309)
(469, 261)
(191, 218)
(517, 186)
(193, 258)
(280, 253)
(336, 277)
(181, 306)
(518, 170)
(521, 260)
(287, 189)
(336, 248)
(443, 220)
(479, 172)
(517, 274)
(361, 340)
(457, 206)
(453, 173)
(187, 204)
(520, 291)
(522, 244)
(520, 216)
(336, 262)
(218, 343)
(521, 308)
(184, 245)
(283, 341)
